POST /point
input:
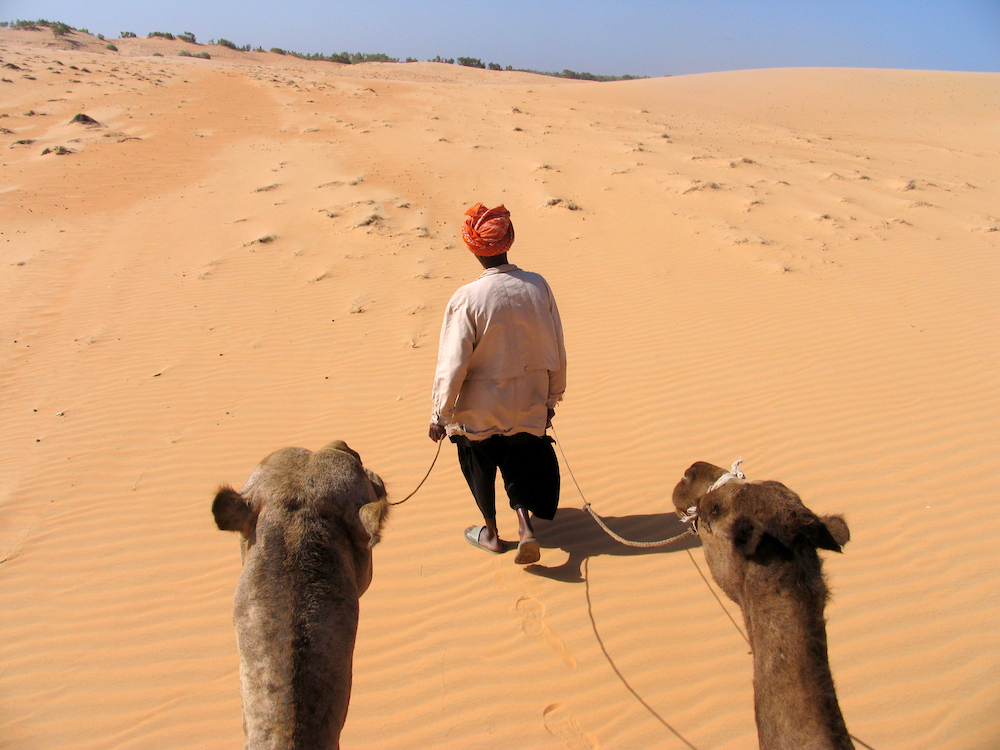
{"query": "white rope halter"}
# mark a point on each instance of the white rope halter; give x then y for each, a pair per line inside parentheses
(734, 473)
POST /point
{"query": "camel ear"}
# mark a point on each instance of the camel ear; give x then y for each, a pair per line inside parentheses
(749, 536)
(340, 445)
(746, 535)
(373, 517)
(833, 533)
(377, 484)
(232, 512)
(373, 514)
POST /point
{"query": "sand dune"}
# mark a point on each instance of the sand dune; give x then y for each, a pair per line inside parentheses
(793, 266)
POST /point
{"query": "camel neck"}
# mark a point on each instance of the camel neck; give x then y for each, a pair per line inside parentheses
(794, 695)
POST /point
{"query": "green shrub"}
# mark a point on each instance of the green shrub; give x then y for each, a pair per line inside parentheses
(60, 29)
(188, 37)
(578, 76)
(278, 51)
(471, 62)
(358, 57)
(126, 34)
(591, 77)
(438, 58)
(230, 45)
(111, 47)
(494, 66)
(26, 25)
(161, 34)
(202, 55)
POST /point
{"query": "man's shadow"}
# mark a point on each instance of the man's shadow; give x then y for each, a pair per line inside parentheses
(576, 532)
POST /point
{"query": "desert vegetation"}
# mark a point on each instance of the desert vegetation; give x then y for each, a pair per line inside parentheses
(56, 27)
(345, 58)
(580, 76)
(24, 25)
(475, 62)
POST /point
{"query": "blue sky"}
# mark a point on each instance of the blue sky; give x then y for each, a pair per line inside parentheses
(639, 37)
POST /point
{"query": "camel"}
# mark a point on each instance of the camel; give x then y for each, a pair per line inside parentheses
(307, 523)
(760, 543)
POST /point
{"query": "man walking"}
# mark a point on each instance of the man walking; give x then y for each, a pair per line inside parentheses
(501, 370)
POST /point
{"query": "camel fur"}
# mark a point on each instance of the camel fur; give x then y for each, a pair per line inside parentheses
(760, 543)
(307, 523)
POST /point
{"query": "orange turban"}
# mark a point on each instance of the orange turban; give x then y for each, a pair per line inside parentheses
(488, 232)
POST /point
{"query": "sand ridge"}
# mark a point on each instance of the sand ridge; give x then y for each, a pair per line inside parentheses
(793, 266)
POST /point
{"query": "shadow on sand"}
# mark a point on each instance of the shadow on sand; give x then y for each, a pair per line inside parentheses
(575, 532)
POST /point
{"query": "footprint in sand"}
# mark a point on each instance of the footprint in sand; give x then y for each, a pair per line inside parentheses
(533, 623)
(559, 722)
(533, 612)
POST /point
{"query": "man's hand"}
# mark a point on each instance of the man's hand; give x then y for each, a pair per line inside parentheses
(436, 432)
(548, 421)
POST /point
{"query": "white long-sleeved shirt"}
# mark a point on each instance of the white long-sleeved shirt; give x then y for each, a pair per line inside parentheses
(501, 357)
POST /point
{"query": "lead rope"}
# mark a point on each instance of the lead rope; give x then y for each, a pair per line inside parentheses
(734, 473)
(586, 504)
(600, 521)
(400, 502)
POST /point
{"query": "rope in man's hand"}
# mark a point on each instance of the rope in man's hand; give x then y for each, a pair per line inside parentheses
(400, 502)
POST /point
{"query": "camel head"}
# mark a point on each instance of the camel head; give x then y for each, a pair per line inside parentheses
(761, 545)
(307, 522)
(742, 521)
(693, 485)
(292, 478)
